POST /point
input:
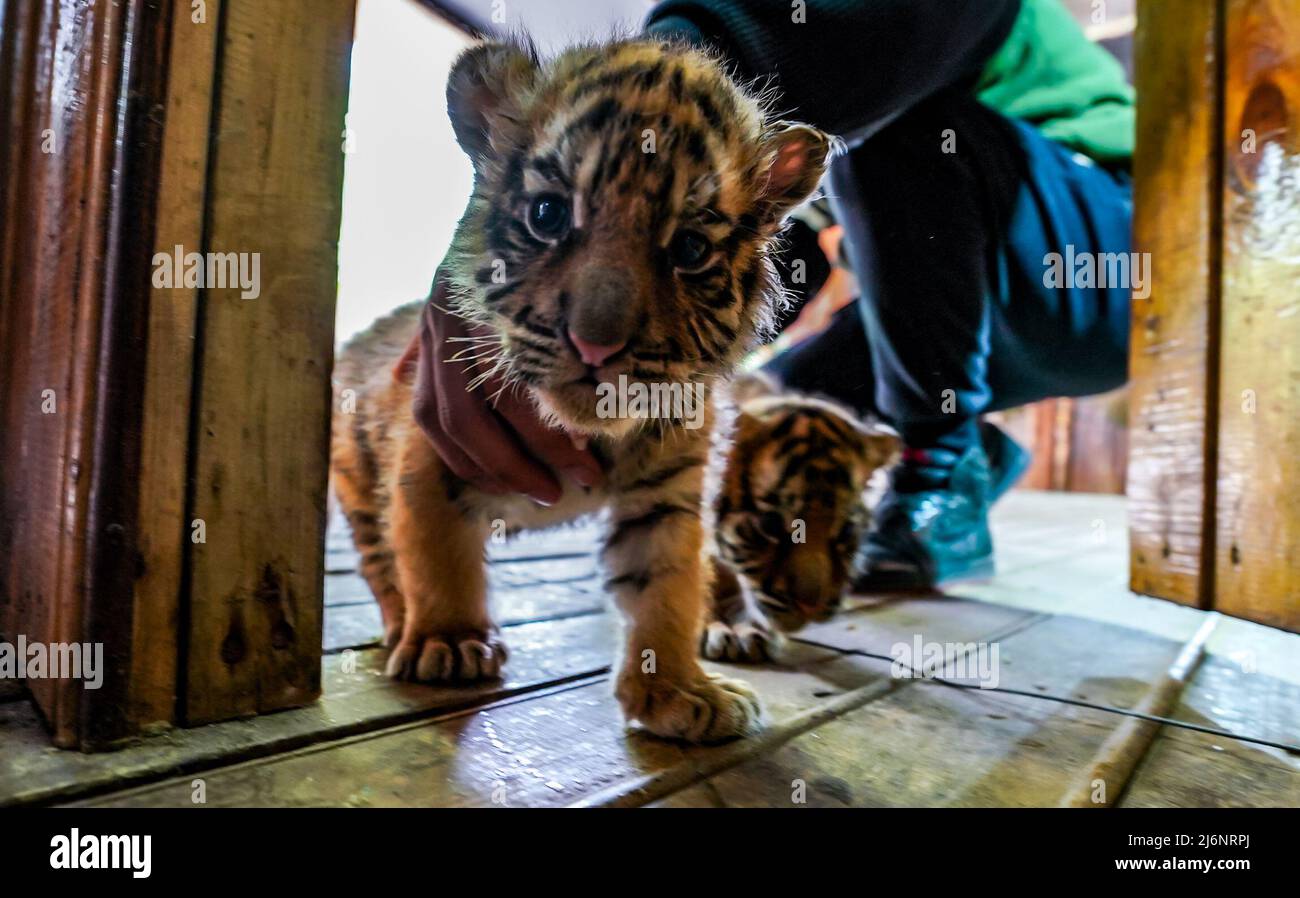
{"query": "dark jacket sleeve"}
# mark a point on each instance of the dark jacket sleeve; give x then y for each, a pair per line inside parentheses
(850, 66)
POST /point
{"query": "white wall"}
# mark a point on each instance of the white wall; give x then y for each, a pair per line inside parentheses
(405, 178)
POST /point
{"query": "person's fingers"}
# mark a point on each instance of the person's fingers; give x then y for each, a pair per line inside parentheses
(461, 464)
(557, 448)
(420, 356)
(484, 438)
(494, 449)
(465, 418)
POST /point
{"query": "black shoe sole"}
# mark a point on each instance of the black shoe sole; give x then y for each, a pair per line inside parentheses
(918, 581)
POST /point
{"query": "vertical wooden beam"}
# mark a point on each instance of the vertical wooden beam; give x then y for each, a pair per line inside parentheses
(1258, 521)
(165, 429)
(262, 400)
(1173, 364)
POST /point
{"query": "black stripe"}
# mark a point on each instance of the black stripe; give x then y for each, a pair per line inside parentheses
(549, 167)
(704, 275)
(638, 579)
(710, 111)
(522, 319)
(369, 464)
(696, 147)
(660, 511)
(502, 292)
(540, 348)
(665, 474)
(359, 518)
(597, 117)
(639, 72)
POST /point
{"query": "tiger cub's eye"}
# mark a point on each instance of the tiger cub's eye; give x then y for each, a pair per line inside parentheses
(689, 250)
(548, 216)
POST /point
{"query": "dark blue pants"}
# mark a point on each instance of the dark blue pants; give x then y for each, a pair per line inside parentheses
(949, 248)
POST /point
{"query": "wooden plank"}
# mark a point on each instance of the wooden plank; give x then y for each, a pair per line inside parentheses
(358, 698)
(1194, 770)
(1172, 364)
(165, 429)
(550, 750)
(358, 624)
(1189, 769)
(935, 746)
(1258, 521)
(352, 627)
(877, 629)
(1113, 764)
(925, 747)
(565, 747)
(261, 453)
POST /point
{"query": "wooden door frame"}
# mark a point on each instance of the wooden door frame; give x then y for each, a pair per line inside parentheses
(1214, 512)
(217, 126)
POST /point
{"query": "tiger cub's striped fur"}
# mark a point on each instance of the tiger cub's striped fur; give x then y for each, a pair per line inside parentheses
(625, 199)
(789, 515)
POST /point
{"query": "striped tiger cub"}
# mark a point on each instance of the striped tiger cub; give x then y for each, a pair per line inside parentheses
(789, 514)
(625, 201)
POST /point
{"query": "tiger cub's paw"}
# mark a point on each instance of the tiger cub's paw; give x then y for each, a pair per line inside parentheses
(751, 642)
(711, 708)
(439, 657)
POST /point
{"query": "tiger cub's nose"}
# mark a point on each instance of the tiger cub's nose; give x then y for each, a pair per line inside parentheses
(594, 354)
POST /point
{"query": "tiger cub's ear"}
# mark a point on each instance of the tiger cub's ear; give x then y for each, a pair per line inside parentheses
(795, 157)
(484, 92)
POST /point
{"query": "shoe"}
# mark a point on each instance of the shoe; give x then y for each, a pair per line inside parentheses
(924, 535)
(1008, 460)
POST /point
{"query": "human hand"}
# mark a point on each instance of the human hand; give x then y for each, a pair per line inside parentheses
(499, 445)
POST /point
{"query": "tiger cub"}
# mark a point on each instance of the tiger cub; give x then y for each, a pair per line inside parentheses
(626, 197)
(789, 514)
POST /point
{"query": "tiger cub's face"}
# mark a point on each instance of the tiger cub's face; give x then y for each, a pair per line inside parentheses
(791, 508)
(625, 197)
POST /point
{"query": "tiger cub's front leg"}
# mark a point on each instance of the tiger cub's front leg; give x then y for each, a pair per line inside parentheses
(735, 627)
(658, 574)
(447, 633)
